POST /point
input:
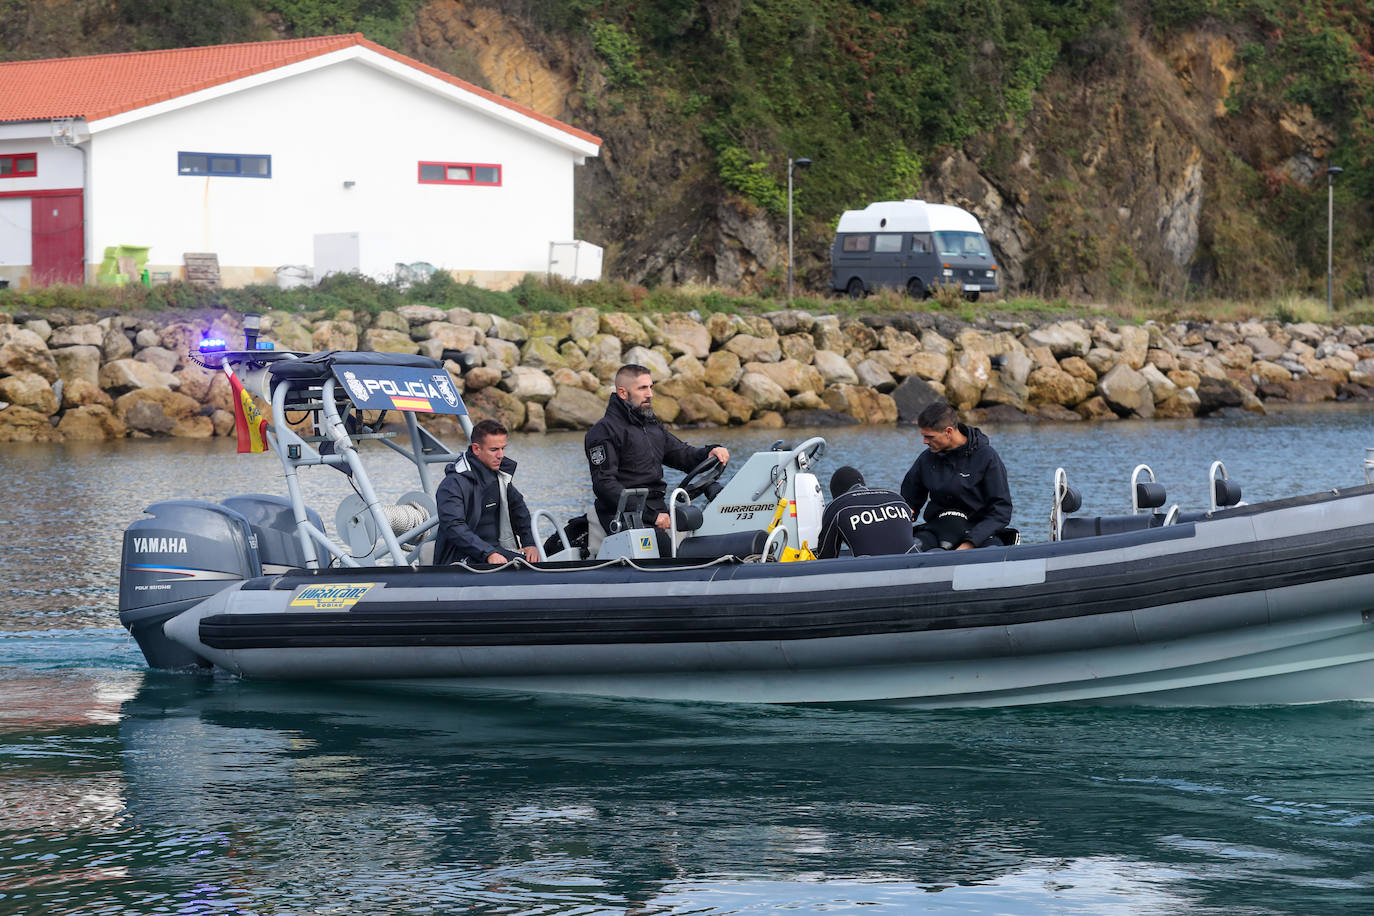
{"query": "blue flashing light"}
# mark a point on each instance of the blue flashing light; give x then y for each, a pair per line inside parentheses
(266, 345)
(212, 345)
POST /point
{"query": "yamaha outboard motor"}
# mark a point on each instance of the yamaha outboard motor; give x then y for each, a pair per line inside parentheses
(188, 551)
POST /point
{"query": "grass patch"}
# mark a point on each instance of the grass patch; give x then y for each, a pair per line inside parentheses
(365, 297)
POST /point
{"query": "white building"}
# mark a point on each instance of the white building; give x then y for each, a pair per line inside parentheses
(335, 153)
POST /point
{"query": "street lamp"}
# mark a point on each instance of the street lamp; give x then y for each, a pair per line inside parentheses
(1331, 172)
(792, 166)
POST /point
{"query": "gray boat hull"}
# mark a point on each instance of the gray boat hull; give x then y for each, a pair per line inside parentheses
(1265, 604)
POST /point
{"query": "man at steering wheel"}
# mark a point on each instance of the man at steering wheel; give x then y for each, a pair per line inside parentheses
(628, 447)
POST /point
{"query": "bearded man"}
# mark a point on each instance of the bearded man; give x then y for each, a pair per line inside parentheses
(628, 447)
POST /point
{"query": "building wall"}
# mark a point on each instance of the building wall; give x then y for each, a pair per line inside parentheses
(345, 123)
(59, 168)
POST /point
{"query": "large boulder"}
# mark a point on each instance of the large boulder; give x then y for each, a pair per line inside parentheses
(625, 328)
(652, 360)
(913, 396)
(76, 335)
(130, 375)
(790, 375)
(161, 357)
(335, 335)
(79, 361)
(679, 334)
(389, 340)
(22, 350)
(696, 409)
(446, 335)
(762, 392)
(863, 404)
(736, 406)
(1135, 344)
(542, 353)
(1046, 385)
(116, 345)
(505, 329)
(80, 392)
(573, 408)
(1063, 338)
(31, 390)
(801, 347)
(834, 368)
(172, 405)
(1127, 391)
(501, 406)
(19, 424)
(418, 315)
(91, 422)
(529, 384)
(1215, 394)
(752, 349)
(723, 369)
(872, 375)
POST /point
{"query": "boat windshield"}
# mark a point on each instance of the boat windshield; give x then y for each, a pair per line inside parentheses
(962, 245)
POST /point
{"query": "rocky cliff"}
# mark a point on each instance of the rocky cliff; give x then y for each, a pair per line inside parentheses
(1114, 151)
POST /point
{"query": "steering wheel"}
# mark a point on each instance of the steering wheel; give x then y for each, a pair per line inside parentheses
(702, 476)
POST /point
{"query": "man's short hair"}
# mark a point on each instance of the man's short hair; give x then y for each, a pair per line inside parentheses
(939, 415)
(628, 373)
(845, 479)
(483, 430)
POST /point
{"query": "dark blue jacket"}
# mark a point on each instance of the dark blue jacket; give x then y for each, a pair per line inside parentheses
(626, 451)
(469, 501)
(970, 479)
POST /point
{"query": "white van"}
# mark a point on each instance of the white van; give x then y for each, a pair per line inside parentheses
(911, 245)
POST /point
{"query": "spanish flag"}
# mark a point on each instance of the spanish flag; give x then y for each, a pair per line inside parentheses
(249, 422)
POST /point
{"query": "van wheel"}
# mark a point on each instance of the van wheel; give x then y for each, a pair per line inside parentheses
(915, 288)
(855, 289)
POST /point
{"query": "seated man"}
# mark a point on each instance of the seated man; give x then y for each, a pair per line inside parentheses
(482, 517)
(628, 447)
(871, 521)
(964, 480)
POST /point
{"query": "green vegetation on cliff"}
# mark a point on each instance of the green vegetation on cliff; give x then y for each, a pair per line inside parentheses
(1053, 106)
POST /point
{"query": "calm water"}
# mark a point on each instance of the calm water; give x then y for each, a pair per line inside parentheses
(124, 791)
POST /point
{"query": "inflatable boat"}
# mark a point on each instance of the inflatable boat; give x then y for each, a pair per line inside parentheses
(1237, 604)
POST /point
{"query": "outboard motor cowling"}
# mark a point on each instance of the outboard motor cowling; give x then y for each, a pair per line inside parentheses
(187, 551)
(274, 524)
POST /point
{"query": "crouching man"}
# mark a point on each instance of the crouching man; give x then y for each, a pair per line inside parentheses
(482, 517)
(872, 521)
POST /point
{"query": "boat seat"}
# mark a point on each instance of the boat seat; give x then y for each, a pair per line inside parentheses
(735, 544)
(1092, 526)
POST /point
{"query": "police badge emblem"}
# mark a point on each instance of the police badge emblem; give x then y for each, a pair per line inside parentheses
(444, 385)
(597, 454)
(356, 386)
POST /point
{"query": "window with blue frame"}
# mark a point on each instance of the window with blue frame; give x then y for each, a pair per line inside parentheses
(229, 165)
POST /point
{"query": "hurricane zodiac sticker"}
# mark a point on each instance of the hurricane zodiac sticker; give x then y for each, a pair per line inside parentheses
(334, 597)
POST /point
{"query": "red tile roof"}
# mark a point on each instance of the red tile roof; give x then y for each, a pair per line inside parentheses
(109, 84)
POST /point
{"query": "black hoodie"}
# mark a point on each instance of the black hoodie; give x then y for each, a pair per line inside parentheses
(626, 450)
(970, 479)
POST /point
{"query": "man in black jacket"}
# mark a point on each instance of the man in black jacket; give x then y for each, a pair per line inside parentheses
(482, 517)
(872, 521)
(628, 447)
(964, 480)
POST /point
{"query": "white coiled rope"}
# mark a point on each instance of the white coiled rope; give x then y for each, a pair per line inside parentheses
(405, 517)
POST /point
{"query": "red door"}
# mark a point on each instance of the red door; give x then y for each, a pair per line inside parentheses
(58, 240)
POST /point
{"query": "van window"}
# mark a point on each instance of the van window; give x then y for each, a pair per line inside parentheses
(888, 243)
(962, 245)
(856, 243)
(922, 243)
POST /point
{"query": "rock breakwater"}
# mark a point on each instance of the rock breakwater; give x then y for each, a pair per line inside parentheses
(69, 375)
